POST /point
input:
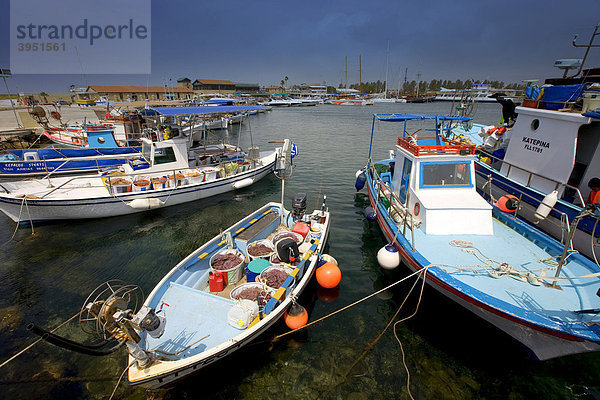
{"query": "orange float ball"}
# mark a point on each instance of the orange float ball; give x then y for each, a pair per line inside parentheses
(296, 317)
(329, 275)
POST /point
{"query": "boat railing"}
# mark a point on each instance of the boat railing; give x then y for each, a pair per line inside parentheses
(531, 175)
(107, 183)
(564, 224)
(395, 205)
(451, 147)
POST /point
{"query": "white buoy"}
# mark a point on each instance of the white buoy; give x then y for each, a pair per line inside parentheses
(243, 183)
(145, 204)
(545, 206)
(388, 257)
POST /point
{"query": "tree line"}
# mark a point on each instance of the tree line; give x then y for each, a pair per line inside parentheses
(434, 85)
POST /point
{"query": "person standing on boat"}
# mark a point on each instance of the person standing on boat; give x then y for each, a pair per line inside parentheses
(509, 115)
(594, 185)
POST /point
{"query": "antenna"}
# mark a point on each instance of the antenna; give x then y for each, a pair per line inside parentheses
(588, 47)
(4, 73)
(284, 168)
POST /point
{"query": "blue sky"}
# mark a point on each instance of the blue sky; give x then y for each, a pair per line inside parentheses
(264, 41)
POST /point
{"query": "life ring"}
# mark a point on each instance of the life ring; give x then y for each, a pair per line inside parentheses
(417, 209)
(55, 115)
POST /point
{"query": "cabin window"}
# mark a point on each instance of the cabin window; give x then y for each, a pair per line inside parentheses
(164, 155)
(535, 124)
(404, 180)
(445, 174)
(146, 151)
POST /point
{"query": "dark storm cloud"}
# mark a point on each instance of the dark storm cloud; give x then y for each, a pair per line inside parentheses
(263, 41)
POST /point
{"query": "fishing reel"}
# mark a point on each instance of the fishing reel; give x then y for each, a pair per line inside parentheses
(113, 312)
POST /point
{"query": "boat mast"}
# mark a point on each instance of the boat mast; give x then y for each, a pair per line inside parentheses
(387, 62)
(360, 74)
(346, 74)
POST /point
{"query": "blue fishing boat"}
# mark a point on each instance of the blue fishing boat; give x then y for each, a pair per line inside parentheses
(477, 253)
(218, 299)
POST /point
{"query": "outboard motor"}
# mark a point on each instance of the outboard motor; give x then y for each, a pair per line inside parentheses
(299, 206)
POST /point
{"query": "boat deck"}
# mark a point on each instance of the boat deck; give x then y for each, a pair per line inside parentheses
(466, 269)
(181, 306)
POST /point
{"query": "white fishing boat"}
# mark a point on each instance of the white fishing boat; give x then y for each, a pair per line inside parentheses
(546, 160)
(479, 92)
(168, 174)
(383, 100)
(278, 102)
(537, 290)
(210, 304)
(352, 102)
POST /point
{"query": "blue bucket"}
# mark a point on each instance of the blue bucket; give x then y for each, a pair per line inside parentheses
(255, 267)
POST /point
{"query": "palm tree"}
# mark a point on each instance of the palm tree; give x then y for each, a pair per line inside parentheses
(283, 82)
(44, 95)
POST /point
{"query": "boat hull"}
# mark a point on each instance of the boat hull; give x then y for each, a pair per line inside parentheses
(24, 210)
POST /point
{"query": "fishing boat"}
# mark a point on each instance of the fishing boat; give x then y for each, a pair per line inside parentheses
(479, 92)
(19, 164)
(278, 102)
(193, 318)
(352, 101)
(546, 160)
(475, 252)
(168, 174)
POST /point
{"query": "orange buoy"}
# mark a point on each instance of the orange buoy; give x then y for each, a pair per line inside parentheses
(508, 203)
(329, 275)
(296, 317)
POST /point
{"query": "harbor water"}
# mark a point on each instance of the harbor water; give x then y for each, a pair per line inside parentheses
(448, 353)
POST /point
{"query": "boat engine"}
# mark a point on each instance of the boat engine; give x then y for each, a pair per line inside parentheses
(299, 206)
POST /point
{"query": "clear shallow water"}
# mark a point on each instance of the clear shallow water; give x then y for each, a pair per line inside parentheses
(450, 354)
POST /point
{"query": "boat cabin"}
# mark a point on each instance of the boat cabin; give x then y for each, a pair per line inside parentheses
(100, 136)
(547, 149)
(434, 178)
(170, 154)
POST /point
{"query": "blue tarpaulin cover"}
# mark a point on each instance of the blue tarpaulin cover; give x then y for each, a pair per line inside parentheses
(173, 111)
(555, 96)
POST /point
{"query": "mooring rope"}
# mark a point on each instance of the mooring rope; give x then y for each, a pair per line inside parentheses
(37, 341)
(351, 305)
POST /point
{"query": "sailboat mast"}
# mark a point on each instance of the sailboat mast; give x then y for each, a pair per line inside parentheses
(387, 63)
(360, 73)
(346, 74)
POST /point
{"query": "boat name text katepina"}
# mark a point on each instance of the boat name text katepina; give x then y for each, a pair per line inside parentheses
(536, 145)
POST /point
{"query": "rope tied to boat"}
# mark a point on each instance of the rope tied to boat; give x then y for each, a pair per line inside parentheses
(37, 341)
(353, 304)
(23, 202)
(498, 269)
